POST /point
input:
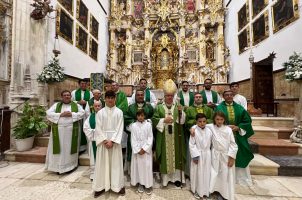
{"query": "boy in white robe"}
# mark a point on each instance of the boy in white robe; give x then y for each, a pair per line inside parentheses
(200, 151)
(224, 150)
(62, 152)
(109, 173)
(89, 130)
(141, 159)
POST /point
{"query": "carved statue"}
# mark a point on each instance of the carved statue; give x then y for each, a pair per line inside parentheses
(42, 8)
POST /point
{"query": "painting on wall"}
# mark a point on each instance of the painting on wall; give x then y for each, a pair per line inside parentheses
(284, 12)
(93, 49)
(192, 55)
(138, 57)
(260, 28)
(64, 25)
(67, 4)
(94, 27)
(138, 9)
(82, 13)
(243, 16)
(258, 6)
(243, 40)
(81, 39)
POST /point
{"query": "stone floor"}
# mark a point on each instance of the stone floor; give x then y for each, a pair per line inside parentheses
(29, 181)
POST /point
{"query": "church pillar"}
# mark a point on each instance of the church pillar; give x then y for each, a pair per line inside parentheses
(220, 45)
(112, 46)
(128, 48)
(202, 45)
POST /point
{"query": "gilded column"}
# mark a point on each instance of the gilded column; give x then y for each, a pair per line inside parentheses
(220, 45)
(112, 48)
(128, 48)
(202, 45)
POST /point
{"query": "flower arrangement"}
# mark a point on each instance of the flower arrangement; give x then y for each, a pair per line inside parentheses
(293, 67)
(52, 72)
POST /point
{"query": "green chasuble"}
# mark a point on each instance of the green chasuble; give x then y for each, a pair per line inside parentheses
(91, 102)
(192, 111)
(191, 96)
(130, 117)
(121, 101)
(168, 145)
(78, 96)
(92, 126)
(75, 131)
(204, 97)
(147, 95)
(243, 121)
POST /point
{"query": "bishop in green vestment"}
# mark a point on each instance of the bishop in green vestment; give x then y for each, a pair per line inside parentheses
(170, 141)
(130, 116)
(241, 123)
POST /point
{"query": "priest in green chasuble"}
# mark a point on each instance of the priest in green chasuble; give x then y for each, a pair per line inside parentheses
(240, 122)
(186, 97)
(62, 152)
(130, 115)
(97, 94)
(121, 98)
(149, 95)
(170, 141)
(81, 96)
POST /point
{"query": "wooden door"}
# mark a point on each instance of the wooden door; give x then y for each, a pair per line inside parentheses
(263, 88)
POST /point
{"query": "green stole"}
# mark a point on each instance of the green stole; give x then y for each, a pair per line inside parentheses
(78, 96)
(244, 121)
(92, 126)
(75, 131)
(204, 97)
(191, 98)
(147, 95)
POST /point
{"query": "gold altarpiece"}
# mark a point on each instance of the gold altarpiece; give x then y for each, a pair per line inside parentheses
(162, 39)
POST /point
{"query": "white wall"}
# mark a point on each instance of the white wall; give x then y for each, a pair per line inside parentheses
(75, 62)
(283, 43)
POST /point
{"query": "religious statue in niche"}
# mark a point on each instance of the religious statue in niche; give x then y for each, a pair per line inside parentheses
(191, 6)
(138, 6)
(164, 60)
(210, 51)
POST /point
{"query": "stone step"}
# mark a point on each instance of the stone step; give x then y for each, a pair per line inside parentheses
(263, 132)
(276, 147)
(284, 132)
(289, 165)
(84, 159)
(261, 165)
(273, 121)
(34, 155)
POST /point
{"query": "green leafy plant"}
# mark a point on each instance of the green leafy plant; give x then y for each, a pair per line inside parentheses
(52, 72)
(293, 67)
(31, 122)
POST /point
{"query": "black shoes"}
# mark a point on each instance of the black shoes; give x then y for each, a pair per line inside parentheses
(122, 192)
(99, 193)
(177, 183)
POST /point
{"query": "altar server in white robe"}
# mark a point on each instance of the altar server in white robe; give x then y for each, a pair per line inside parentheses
(141, 159)
(200, 151)
(109, 159)
(63, 147)
(89, 130)
(224, 150)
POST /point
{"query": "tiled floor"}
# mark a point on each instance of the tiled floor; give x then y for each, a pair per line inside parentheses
(22, 181)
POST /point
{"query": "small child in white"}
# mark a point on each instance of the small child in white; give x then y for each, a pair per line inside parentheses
(224, 150)
(199, 146)
(141, 160)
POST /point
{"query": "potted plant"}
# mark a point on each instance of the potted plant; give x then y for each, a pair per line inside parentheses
(29, 124)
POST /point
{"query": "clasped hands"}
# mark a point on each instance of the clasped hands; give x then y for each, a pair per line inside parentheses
(66, 114)
(108, 144)
(234, 128)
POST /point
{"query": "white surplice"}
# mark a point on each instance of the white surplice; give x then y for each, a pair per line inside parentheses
(64, 161)
(241, 100)
(90, 135)
(153, 99)
(199, 146)
(109, 162)
(141, 165)
(223, 147)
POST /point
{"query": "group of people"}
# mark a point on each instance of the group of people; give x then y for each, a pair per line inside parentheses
(196, 135)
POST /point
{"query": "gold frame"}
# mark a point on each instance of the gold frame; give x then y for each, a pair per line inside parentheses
(247, 16)
(77, 38)
(90, 48)
(63, 5)
(266, 28)
(289, 21)
(58, 17)
(90, 27)
(264, 6)
(78, 13)
(247, 29)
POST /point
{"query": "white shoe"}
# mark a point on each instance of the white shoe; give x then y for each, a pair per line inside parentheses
(140, 188)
